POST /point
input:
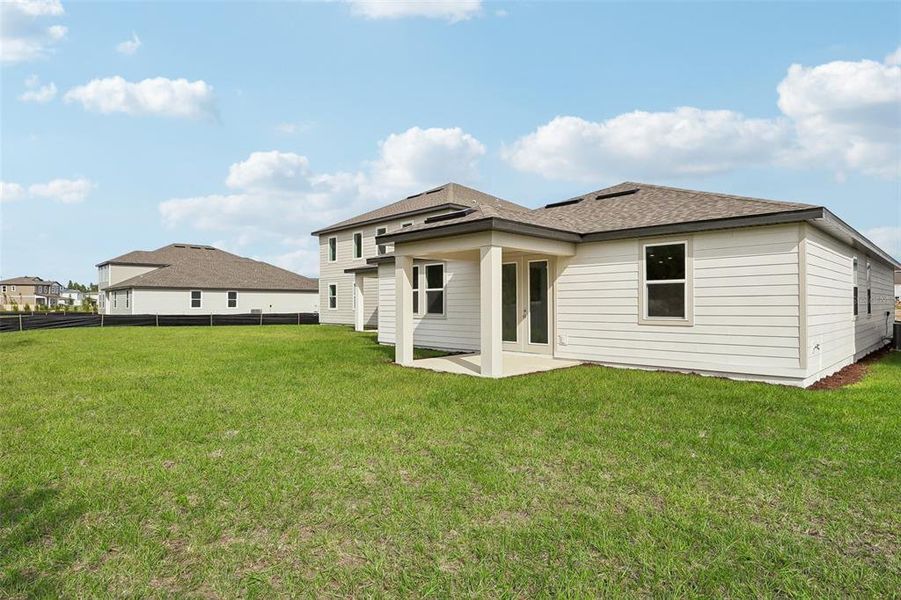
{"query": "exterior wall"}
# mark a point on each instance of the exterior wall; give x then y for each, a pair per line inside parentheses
(746, 306)
(178, 302)
(458, 329)
(835, 337)
(333, 272)
(116, 303)
(119, 273)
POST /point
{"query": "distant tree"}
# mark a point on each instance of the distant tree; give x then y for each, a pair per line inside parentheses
(26, 308)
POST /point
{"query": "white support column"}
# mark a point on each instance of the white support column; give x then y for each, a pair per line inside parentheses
(403, 280)
(490, 301)
(358, 301)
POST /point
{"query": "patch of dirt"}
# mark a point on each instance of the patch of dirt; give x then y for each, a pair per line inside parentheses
(852, 373)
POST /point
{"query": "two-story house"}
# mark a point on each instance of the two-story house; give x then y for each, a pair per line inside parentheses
(33, 291)
(348, 284)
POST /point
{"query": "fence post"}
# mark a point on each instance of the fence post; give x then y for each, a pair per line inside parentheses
(261, 317)
(101, 319)
(211, 319)
(20, 322)
(298, 318)
(157, 319)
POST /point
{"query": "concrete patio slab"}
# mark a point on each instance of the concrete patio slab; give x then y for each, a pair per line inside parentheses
(514, 363)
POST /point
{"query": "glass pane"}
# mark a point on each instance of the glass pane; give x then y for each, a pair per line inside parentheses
(665, 262)
(434, 275)
(508, 303)
(538, 303)
(666, 300)
(415, 278)
(434, 302)
(415, 302)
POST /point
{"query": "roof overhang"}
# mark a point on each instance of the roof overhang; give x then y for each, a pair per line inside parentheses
(130, 264)
(366, 269)
(138, 286)
(475, 226)
(834, 226)
(400, 215)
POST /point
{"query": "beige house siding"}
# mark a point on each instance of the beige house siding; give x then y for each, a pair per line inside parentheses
(745, 306)
(836, 337)
(458, 329)
(333, 272)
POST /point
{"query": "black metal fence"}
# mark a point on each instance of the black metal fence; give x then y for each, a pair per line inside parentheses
(25, 322)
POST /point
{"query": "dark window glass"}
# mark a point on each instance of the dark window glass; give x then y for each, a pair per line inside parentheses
(415, 290)
(232, 299)
(664, 262)
(855, 300)
(332, 296)
(434, 276)
(538, 303)
(435, 302)
(508, 302)
(195, 299)
(869, 301)
(666, 300)
(332, 248)
(358, 245)
(382, 248)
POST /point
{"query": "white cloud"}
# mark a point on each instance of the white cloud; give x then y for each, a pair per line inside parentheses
(840, 115)
(24, 33)
(35, 92)
(419, 157)
(293, 128)
(10, 191)
(686, 141)
(278, 199)
(894, 58)
(129, 47)
(887, 238)
(157, 96)
(270, 171)
(448, 10)
(846, 115)
(67, 191)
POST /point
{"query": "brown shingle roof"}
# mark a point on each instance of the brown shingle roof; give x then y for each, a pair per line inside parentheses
(196, 266)
(449, 195)
(625, 206)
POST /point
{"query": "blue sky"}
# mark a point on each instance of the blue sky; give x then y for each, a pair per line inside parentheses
(132, 125)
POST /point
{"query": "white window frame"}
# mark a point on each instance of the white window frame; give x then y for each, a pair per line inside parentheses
(191, 299)
(688, 284)
(855, 288)
(381, 248)
(424, 297)
(357, 234)
(869, 292)
(228, 300)
(115, 299)
(12, 288)
(127, 298)
(329, 296)
(417, 290)
(407, 224)
(3, 289)
(328, 249)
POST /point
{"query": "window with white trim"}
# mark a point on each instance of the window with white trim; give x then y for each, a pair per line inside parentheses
(358, 245)
(382, 248)
(434, 289)
(196, 299)
(333, 295)
(127, 298)
(232, 299)
(415, 290)
(115, 299)
(665, 282)
(405, 225)
(869, 291)
(332, 249)
(855, 289)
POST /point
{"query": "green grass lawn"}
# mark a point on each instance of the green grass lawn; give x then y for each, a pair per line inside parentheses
(276, 461)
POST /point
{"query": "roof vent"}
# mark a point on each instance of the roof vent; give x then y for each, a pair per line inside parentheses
(564, 203)
(413, 196)
(451, 215)
(616, 194)
(179, 245)
(435, 190)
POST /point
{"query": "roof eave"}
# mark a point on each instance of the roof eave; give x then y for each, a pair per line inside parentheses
(793, 216)
(478, 225)
(400, 215)
(830, 221)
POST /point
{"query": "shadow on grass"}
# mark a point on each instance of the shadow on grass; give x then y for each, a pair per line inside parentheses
(31, 522)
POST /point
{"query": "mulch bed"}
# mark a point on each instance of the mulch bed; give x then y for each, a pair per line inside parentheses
(852, 373)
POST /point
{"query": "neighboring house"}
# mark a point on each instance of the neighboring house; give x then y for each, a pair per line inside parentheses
(634, 275)
(71, 297)
(33, 291)
(192, 279)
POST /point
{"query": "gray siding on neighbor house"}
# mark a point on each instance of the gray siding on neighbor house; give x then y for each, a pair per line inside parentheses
(458, 329)
(746, 306)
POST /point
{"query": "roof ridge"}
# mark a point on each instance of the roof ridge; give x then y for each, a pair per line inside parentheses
(690, 191)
